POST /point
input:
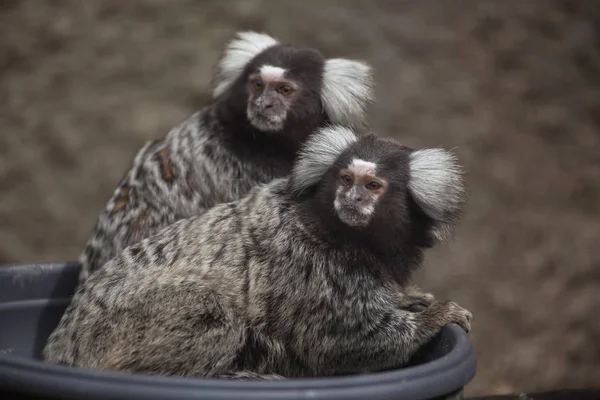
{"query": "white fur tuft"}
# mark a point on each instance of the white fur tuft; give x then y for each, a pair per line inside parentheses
(347, 90)
(239, 52)
(436, 183)
(318, 154)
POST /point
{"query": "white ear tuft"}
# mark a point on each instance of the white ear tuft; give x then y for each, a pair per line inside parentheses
(436, 183)
(347, 90)
(318, 154)
(238, 53)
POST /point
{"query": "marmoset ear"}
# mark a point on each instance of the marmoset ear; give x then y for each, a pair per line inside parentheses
(347, 91)
(318, 154)
(237, 55)
(437, 186)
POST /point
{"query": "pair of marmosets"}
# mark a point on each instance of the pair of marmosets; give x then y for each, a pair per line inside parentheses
(267, 236)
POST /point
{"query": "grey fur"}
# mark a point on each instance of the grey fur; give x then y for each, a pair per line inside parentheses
(150, 202)
(194, 167)
(250, 289)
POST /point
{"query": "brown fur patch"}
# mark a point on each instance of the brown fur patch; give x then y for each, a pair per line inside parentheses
(122, 200)
(165, 165)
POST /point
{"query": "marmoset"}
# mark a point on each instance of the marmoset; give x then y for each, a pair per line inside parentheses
(305, 276)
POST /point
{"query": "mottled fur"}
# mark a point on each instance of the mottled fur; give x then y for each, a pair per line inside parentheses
(273, 285)
(217, 155)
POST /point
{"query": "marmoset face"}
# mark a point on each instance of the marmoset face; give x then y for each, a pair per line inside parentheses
(272, 95)
(358, 192)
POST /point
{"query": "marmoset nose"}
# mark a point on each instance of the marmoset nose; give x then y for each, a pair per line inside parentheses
(357, 198)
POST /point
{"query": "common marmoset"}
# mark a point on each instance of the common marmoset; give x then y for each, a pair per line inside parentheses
(304, 276)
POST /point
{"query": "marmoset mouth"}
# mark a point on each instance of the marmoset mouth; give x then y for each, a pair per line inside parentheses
(268, 114)
(265, 122)
(264, 116)
(353, 216)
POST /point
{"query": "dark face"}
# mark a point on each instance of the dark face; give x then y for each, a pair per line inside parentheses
(271, 96)
(358, 192)
(363, 208)
(370, 183)
(365, 194)
(363, 202)
(279, 93)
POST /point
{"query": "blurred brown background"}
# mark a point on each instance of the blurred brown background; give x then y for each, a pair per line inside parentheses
(513, 85)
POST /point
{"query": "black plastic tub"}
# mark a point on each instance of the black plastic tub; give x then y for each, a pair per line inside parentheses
(33, 298)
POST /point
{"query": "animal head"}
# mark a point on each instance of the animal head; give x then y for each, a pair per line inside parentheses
(280, 88)
(376, 186)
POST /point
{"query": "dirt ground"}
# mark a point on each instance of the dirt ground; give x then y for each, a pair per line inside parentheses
(513, 85)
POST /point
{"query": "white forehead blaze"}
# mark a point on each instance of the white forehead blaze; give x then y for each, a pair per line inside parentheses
(271, 73)
(362, 167)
